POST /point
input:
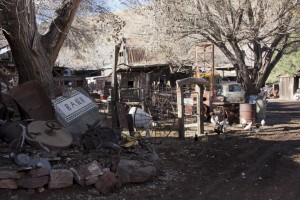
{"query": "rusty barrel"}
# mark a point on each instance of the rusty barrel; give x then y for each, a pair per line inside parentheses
(247, 112)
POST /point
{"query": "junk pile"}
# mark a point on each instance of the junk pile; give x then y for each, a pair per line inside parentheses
(62, 142)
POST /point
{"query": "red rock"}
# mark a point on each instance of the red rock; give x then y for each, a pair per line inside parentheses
(118, 184)
(38, 172)
(90, 170)
(77, 177)
(8, 184)
(33, 182)
(60, 178)
(91, 180)
(9, 175)
(106, 182)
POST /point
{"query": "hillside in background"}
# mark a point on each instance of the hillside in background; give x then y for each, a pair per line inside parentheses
(91, 44)
(140, 28)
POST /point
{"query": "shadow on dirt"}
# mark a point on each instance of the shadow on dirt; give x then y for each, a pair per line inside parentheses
(282, 112)
(237, 167)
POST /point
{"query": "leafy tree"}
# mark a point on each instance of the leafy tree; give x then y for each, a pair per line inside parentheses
(289, 64)
(252, 34)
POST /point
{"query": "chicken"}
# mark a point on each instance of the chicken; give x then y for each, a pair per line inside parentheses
(257, 128)
(221, 127)
(263, 122)
(243, 122)
(231, 116)
(248, 126)
(213, 120)
(196, 138)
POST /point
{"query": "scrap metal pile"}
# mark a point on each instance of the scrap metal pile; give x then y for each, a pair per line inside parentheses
(62, 142)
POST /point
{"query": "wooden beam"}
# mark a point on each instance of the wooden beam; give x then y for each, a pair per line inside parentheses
(200, 110)
(180, 107)
(180, 104)
(114, 90)
(188, 81)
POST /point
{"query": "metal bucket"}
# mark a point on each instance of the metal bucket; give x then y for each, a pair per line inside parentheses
(247, 112)
(260, 110)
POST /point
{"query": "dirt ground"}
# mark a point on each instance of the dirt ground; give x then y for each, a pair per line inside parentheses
(240, 166)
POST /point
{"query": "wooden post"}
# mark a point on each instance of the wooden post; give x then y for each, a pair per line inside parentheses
(114, 90)
(212, 70)
(180, 104)
(146, 92)
(180, 107)
(200, 110)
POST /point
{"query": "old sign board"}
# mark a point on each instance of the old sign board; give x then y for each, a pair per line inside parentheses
(76, 111)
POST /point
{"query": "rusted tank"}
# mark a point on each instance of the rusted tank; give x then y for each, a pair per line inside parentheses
(247, 112)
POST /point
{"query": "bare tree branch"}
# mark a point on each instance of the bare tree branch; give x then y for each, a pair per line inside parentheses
(251, 33)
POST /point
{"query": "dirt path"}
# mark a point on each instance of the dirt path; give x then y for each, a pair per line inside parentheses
(239, 166)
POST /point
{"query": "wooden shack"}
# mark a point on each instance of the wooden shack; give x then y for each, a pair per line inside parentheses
(288, 84)
(139, 74)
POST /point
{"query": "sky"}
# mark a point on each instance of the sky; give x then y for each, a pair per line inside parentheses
(115, 5)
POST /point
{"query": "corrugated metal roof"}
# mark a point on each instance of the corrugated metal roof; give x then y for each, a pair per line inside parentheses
(136, 55)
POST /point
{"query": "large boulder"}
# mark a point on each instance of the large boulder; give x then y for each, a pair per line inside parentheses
(87, 174)
(133, 171)
(34, 178)
(60, 178)
(8, 184)
(107, 183)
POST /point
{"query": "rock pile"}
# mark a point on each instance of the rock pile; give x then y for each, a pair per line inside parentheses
(102, 168)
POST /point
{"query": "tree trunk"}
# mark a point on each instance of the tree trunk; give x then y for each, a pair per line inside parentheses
(33, 53)
(32, 65)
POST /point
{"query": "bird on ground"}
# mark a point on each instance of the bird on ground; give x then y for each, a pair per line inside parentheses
(224, 124)
(213, 119)
(243, 122)
(263, 122)
(258, 126)
(221, 127)
(231, 116)
(253, 128)
(248, 127)
(196, 138)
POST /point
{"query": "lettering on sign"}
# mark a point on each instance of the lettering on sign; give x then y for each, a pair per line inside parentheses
(73, 107)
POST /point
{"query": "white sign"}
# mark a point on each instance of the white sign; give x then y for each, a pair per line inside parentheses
(188, 101)
(73, 107)
(73, 104)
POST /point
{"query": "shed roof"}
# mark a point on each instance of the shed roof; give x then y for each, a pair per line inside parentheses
(143, 68)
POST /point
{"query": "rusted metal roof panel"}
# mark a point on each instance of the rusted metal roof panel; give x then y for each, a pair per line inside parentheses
(136, 55)
(33, 100)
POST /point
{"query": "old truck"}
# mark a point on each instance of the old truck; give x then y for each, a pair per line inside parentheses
(232, 92)
(226, 98)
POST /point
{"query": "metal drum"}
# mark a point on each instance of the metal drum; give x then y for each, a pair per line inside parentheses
(247, 112)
